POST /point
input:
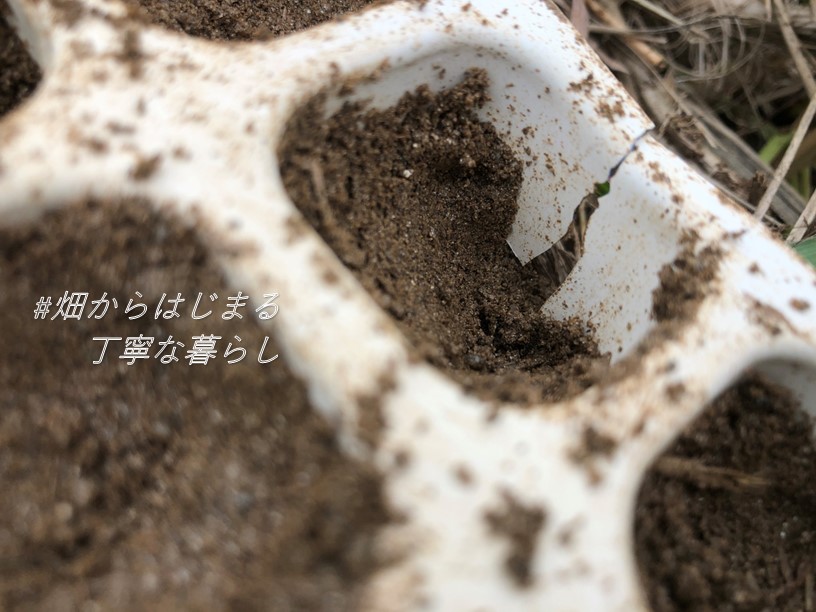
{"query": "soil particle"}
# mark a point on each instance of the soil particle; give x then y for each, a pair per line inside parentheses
(773, 321)
(800, 305)
(521, 525)
(371, 421)
(725, 519)
(19, 74)
(145, 168)
(463, 475)
(593, 444)
(69, 12)
(685, 282)
(417, 200)
(156, 486)
(131, 54)
(244, 19)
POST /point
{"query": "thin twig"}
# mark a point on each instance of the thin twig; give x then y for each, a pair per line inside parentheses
(643, 35)
(579, 16)
(788, 206)
(802, 65)
(611, 18)
(795, 47)
(318, 182)
(782, 170)
(659, 11)
(802, 224)
(709, 477)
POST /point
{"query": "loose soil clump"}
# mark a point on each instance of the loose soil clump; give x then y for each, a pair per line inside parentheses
(418, 200)
(245, 19)
(686, 282)
(19, 74)
(152, 485)
(521, 525)
(726, 518)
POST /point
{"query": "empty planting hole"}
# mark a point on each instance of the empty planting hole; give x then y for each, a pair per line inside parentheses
(244, 19)
(725, 519)
(19, 73)
(161, 485)
(418, 200)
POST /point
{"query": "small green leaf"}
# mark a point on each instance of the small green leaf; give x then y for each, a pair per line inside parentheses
(601, 189)
(774, 146)
(807, 249)
(801, 182)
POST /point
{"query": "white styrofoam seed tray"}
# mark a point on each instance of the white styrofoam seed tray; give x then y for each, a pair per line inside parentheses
(214, 112)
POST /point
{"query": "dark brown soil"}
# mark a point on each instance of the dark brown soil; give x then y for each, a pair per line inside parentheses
(726, 518)
(153, 486)
(19, 74)
(521, 526)
(417, 201)
(685, 282)
(245, 19)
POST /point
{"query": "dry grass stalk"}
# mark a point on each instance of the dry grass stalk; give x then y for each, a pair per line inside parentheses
(782, 170)
(807, 218)
(803, 66)
(556, 263)
(708, 477)
(612, 17)
(700, 136)
(579, 16)
(795, 48)
(658, 10)
(735, 67)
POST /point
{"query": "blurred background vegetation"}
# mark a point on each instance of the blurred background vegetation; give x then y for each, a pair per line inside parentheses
(730, 85)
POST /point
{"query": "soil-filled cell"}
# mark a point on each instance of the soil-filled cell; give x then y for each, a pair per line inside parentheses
(244, 19)
(418, 200)
(726, 517)
(19, 74)
(160, 480)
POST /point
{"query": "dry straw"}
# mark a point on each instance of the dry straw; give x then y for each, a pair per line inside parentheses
(718, 76)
